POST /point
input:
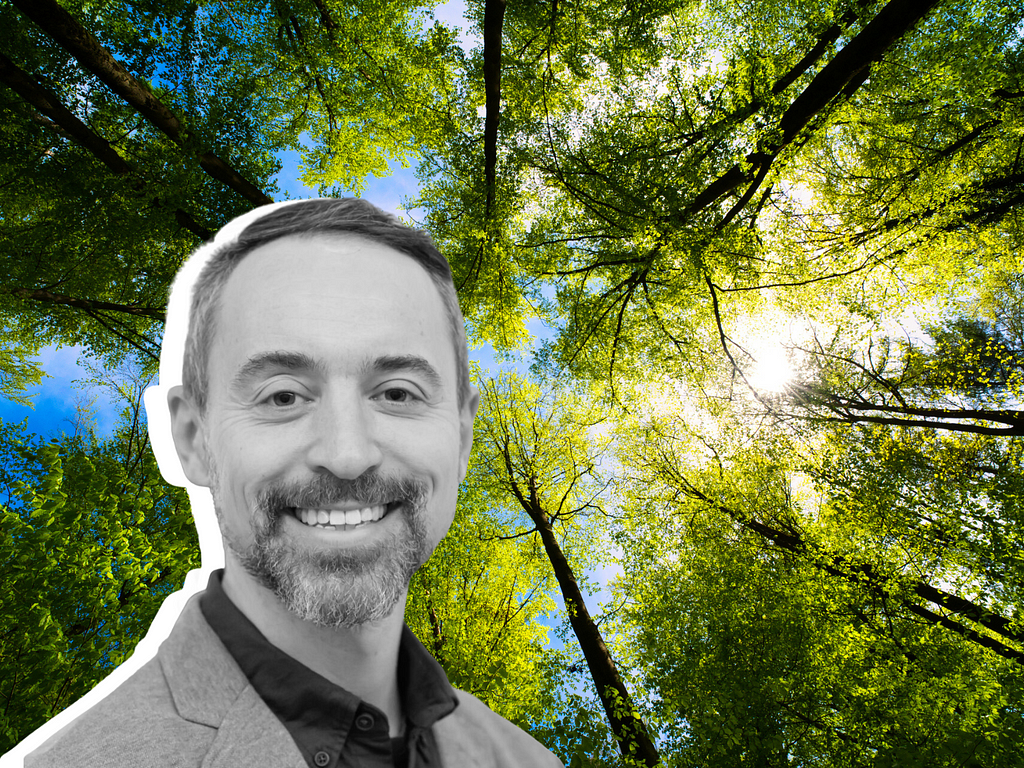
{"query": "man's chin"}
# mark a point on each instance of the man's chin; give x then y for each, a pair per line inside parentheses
(335, 588)
(340, 599)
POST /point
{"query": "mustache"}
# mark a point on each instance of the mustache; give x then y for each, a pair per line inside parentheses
(369, 489)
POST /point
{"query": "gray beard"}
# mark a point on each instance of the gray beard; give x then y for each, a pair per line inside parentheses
(334, 587)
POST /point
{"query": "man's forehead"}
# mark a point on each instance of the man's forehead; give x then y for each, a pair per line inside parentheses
(334, 240)
(289, 294)
(325, 249)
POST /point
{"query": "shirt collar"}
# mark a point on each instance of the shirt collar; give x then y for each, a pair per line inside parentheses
(304, 699)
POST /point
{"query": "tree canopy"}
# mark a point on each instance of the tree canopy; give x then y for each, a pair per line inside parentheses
(819, 568)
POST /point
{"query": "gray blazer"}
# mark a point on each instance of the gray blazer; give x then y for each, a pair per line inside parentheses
(192, 706)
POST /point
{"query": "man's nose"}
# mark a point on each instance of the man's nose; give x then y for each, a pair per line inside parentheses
(344, 440)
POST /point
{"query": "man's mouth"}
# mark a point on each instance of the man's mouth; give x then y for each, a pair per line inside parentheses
(344, 520)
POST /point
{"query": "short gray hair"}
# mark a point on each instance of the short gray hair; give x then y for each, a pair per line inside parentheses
(321, 216)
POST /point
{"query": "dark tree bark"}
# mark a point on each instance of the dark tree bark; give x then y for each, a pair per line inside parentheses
(629, 728)
(40, 294)
(841, 76)
(325, 16)
(821, 46)
(47, 103)
(494, 16)
(894, 20)
(850, 411)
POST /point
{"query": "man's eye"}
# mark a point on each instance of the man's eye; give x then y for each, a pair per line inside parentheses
(283, 399)
(395, 395)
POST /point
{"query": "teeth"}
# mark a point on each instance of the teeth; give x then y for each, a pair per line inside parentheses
(330, 518)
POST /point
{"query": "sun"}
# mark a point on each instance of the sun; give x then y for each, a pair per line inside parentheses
(772, 371)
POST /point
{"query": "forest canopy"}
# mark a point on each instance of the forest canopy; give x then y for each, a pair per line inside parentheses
(776, 422)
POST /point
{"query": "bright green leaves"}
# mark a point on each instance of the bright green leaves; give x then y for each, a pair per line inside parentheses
(373, 80)
(18, 372)
(539, 452)
(774, 620)
(91, 541)
(346, 158)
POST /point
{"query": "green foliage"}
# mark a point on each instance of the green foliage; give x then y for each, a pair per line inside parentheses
(970, 357)
(92, 541)
(541, 446)
(825, 575)
(17, 373)
(763, 653)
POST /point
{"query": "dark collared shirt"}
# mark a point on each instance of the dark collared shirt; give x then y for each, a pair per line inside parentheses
(332, 727)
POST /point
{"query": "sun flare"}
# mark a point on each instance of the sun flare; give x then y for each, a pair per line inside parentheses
(772, 370)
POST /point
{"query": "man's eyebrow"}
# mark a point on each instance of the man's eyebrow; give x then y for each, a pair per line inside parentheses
(265, 361)
(413, 363)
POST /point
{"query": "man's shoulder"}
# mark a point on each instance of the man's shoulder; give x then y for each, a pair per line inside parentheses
(475, 735)
(136, 724)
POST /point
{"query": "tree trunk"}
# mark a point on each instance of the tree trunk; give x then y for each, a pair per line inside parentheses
(842, 75)
(494, 15)
(41, 294)
(62, 119)
(627, 725)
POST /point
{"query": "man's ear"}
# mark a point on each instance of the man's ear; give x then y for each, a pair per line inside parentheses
(466, 416)
(187, 431)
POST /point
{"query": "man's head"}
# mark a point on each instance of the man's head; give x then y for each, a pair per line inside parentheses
(325, 378)
(323, 216)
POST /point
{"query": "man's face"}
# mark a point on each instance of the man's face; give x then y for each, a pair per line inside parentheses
(333, 395)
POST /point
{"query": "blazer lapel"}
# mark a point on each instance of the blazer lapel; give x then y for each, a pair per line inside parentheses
(251, 735)
(209, 688)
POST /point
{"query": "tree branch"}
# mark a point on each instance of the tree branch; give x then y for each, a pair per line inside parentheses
(88, 305)
(848, 66)
(67, 32)
(49, 104)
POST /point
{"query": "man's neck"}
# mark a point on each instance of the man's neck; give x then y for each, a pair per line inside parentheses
(362, 660)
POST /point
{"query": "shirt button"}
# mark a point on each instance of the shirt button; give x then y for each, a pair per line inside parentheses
(321, 758)
(364, 721)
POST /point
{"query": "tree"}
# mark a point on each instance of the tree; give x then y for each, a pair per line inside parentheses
(538, 460)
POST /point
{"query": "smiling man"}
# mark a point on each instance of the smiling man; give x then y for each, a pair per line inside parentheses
(326, 403)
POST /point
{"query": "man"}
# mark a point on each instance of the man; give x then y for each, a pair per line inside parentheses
(326, 403)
